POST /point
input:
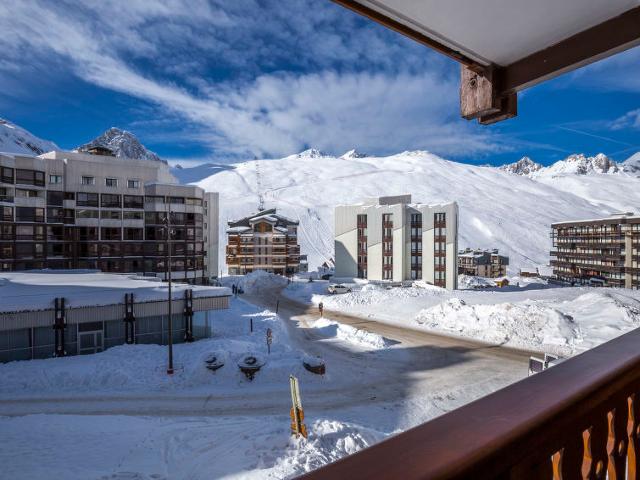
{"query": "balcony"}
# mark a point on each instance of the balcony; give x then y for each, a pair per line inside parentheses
(579, 419)
(439, 238)
(387, 224)
(440, 224)
(6, 198)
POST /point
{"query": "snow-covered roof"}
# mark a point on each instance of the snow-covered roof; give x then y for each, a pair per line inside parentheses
(238, 229)
(612, 219)
(37, 289)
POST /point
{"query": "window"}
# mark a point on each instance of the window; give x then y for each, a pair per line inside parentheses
(6, 214)
(133, 183)
(194, 201)
(133, 234)
(88, 180)
(87, 199)
(133, 201)
(55, 179)
(111, 214)
(111, 201)
(29, 214)
(6, 175)
(110, 234)
(22, 193)
(133, 215)
(55, 198)
(154, 199)
(55, 215)
(178, 200)
(111, 182)
(30, 177)
(85, 213)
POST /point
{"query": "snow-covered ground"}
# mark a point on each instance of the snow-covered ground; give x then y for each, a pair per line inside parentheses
(529, 314)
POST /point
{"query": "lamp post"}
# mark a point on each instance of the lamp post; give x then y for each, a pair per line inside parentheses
(167, 227)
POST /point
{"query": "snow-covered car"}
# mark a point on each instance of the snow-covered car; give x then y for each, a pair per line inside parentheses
(338, 288)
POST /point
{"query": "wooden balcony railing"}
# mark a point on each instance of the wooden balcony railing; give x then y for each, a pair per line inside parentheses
(577, 420)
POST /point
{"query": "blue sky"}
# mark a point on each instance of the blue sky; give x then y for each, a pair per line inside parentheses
(222, 80)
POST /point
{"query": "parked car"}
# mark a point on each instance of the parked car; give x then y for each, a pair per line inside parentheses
(338, 288)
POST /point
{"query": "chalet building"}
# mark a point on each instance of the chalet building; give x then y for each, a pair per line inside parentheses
(264, 241)
(52, 313)
(91, 210)
(393, 239)
(482, 263)
(598, 252)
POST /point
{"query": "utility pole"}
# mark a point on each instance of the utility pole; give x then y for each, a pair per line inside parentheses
(167, 222)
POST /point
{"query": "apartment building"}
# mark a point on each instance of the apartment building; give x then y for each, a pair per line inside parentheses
(393, 239)
(482, 263)
(264, 241)
(69, 210)
(598, 252)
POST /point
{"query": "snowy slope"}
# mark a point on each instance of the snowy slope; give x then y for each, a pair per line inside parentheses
(497, 209)
(632, 164)
(122, 144)
(15, 139)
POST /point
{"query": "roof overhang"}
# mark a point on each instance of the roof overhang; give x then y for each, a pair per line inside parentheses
(505, 46)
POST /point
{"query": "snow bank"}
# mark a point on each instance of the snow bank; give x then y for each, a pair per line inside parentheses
(466, 282)
(373, 294)
(524, 325)
(363, 338)
(256, 282)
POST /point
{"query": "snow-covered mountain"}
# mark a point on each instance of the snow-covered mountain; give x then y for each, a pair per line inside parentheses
(580, 164)
(524, 166)
(497, 209)
(15, 139)
(576, 164)
(122, 144)
(632, 164)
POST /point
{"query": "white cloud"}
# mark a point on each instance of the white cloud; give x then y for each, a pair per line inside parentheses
(406, 98)
(628, 120)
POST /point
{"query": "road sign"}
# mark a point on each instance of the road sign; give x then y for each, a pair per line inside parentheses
(269, 339)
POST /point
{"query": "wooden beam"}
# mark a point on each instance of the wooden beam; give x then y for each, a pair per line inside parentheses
(477, 94)
(608, 38)
(407, 31)
(508, 109)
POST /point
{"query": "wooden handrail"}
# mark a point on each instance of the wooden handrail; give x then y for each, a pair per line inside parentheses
(575, 420)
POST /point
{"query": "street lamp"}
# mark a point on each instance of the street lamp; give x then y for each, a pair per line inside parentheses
(168, 233)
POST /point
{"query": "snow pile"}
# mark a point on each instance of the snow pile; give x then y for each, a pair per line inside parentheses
(632, 164)
(373, 294)
(123, 144)
(514, 324)
(259, 281)
(466, 282)
(328, 441)
(363, 338)
(15, 139)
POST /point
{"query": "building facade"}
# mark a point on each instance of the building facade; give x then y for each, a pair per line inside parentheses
(67, 210)
(393, 239)
(482, 263)
(599, 252)
(264, 241)
(45, 314)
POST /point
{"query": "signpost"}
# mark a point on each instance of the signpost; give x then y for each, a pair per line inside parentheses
(297, 414)
(269, 340)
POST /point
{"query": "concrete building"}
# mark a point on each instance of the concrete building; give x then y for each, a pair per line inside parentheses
(603, 252)
(264, 241)
(88, 210)
(393, 239)
(482, 263)
(57, 313)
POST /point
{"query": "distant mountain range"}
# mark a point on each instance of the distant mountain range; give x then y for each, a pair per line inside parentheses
(508, 207)
(15, 139)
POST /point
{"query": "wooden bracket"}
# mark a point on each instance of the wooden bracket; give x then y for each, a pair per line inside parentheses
(480, 97)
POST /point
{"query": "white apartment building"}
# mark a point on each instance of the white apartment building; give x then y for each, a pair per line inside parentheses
(393, 239)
